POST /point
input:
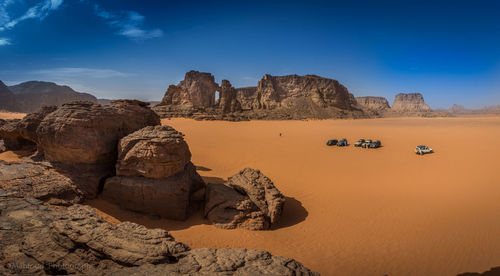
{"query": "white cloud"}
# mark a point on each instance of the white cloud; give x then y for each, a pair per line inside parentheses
(127, 23)
(4, 41)
(40, 11)
(71, 72)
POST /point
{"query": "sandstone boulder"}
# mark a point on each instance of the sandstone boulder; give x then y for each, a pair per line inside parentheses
(170, 197)
(412, 102)
(228, 209)
(261, 190)
(80, 138)
(152, 152)
(248, 200)
(373, 103)
(88, 133)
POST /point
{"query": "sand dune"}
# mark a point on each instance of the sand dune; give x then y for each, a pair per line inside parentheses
(354, 211)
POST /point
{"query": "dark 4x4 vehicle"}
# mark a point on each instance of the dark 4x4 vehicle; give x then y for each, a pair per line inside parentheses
(332, 142)
(342, 143)
(375, 144)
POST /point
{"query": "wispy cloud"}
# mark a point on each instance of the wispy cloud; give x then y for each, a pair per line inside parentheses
(4, 41)
(72, 72)
(39, 11)
(127, 23)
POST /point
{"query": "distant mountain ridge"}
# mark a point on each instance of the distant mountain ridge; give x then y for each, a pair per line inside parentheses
(7, 98)
(31, 95)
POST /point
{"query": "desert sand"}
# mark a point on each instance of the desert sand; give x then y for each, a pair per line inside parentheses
(11, 115)
(354, 211)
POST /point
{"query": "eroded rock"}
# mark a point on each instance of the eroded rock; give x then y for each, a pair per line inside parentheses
(412, 102)
(152, 152)
(248, 200)
(167, 197)
(373, 103)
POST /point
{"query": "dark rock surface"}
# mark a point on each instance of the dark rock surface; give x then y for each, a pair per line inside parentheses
(37, 239)
(32, 95)
(248, 200)
(167, 197)
(495, 271)
(38, 180)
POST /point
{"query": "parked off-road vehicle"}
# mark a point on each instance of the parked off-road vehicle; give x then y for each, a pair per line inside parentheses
(375, 144)
(366, 144)
(342, 143)
(332, 142)
(359, 143)
(422, 149)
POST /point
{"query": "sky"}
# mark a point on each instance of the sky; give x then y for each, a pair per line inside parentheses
(447, 50)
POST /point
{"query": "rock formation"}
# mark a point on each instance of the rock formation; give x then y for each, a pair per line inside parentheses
(7, 98)
(246, 96)
(38, 239)
(412, 102)
(228, 101)
(154, 174)
(20, 133)
(32, 95)
(197, 90)
(40, 181)
(275, 97)
(247, 200)
(494, 271)
(373, 103)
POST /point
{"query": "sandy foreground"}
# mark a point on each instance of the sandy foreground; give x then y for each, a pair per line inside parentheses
(354, 211)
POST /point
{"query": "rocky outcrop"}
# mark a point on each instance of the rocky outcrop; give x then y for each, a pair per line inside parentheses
(36, 239)
(82, 137)
(32, 95)
(246, 96)
(20, 133)
(154, 174)
(275, 97)
(373, 103)
(290, 91)
(412, 102)
(228, 101)
(40, 181)
(248, 200)
(197, 90)
(7, 98)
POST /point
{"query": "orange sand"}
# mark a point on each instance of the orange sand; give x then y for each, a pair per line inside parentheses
(11, 115)
(354, 211)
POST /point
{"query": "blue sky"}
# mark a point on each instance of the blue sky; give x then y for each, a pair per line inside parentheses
(447, 50)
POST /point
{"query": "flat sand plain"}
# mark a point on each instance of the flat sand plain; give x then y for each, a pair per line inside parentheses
(354, 211)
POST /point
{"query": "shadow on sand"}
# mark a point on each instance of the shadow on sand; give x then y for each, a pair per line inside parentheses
(293, 213)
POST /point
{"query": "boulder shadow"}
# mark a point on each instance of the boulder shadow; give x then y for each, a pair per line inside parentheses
(293, 213)
(115, 214)
(203, 169)
(213, 179)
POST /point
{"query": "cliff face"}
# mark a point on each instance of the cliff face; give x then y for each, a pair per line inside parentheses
(32, 95)
(197, 90)
(275, 97)
(7, 99)
(412, 102)
(373, 103)
(288, 91)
